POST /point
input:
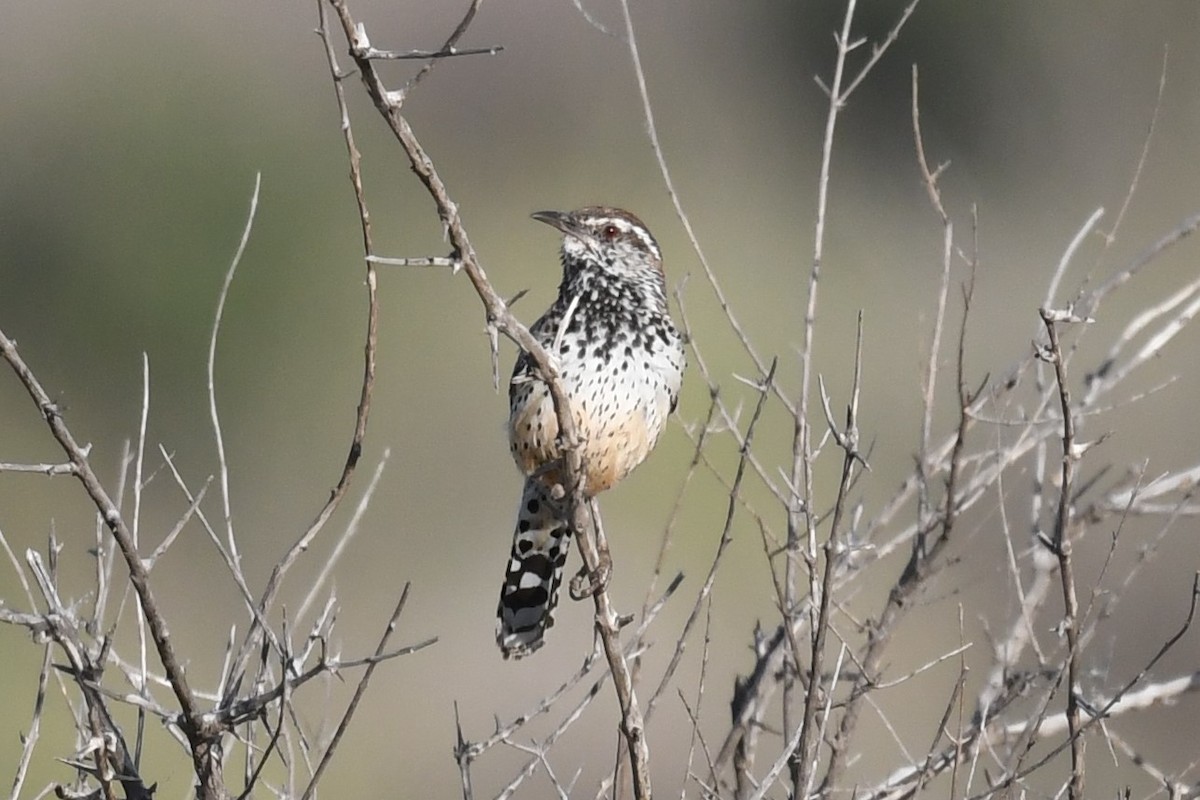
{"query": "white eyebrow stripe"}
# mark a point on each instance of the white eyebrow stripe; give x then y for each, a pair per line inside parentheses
(625, 226)
(651, 245)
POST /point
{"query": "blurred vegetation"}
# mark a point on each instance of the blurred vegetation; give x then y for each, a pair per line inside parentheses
(129, 143)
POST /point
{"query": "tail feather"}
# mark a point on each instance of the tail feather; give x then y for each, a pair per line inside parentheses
(530, 590)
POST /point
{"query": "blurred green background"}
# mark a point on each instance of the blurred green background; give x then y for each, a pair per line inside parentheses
(129, 142)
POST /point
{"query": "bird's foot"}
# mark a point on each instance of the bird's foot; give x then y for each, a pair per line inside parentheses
(588, 583)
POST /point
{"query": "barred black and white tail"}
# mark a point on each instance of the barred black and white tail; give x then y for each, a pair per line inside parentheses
(530, 591)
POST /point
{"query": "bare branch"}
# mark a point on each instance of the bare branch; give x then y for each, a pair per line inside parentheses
(359, 691)
(231, 541)
(45, 469)
(274, 581)
(447, 52)
(138, 576)
(30, 739)
(1061, 547)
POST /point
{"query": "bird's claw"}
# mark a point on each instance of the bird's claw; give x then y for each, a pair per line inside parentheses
(587, 583)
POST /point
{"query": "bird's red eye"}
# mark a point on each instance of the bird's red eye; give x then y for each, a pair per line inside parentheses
(610, 232)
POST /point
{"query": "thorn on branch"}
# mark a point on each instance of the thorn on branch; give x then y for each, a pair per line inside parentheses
(1044, 352)
(360, 42)
(1068, 314)
(52, 411)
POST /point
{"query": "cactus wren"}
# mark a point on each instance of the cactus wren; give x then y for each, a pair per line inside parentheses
(621, 362)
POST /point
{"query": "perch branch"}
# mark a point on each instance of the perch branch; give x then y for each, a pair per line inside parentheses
(588, 533)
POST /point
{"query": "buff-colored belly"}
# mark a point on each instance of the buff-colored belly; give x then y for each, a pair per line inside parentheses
(613, 442)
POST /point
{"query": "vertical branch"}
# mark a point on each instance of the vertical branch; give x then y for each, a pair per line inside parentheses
(924, 561)
(30, 739)
(929, 393)
(802, 765)
(231, 542)
(359, 691)
(137, 510)
(593, 545)
(362, 414)
(1060, 545)
(800, 521)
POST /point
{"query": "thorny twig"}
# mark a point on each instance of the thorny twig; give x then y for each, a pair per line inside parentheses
(802, 761)
(1060, 545)
(199, 733)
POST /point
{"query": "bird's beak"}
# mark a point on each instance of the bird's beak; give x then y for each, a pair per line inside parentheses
(561, 221)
